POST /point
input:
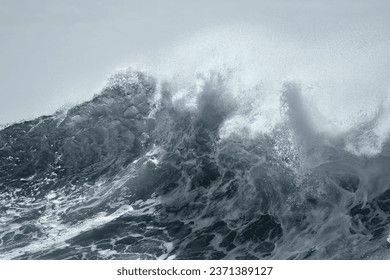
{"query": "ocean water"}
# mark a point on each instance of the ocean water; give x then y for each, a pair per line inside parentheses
(232, 147)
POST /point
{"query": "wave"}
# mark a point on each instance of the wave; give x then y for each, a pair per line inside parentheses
(219, 161)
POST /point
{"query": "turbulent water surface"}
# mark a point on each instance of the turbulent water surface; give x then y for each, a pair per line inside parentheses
(209, 168)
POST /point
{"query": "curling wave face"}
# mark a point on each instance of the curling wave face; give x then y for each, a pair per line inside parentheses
(153, 168)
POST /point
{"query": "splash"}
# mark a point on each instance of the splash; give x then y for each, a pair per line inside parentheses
(234, 145)
(343, 80)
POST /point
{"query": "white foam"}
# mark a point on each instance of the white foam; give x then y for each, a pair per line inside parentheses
(344, 78)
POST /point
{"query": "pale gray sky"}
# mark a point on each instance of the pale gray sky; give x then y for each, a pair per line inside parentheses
(55, 52)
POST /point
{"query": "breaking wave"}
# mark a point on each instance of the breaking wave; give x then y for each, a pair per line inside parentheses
(224, 150)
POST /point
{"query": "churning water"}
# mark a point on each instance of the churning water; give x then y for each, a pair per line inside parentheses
(231, 147)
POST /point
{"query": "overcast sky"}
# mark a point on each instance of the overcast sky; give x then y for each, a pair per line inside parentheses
(56, 52)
